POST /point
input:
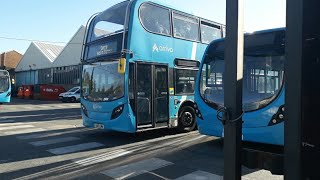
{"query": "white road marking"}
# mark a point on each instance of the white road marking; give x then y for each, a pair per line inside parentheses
(24, 131)
(103, 157)
(60, 106)
(16, 127)
(75, 148)
(53, 141)
(29, 107)
(137, 168)
(49, 134)
(182, 141)
(43, 106)
(200, 175)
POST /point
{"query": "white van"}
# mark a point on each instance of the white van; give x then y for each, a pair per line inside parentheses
(73, 95)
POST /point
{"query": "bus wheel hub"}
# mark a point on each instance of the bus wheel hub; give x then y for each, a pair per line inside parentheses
(187, 119)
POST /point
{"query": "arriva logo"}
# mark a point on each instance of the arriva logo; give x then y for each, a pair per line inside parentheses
(161, 48)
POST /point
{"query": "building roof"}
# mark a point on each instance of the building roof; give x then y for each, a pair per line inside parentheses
(51, 51)
(39, 56)
(10, 59)
(10, 52)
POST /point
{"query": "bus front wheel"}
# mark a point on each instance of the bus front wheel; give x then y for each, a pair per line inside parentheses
(187, 119)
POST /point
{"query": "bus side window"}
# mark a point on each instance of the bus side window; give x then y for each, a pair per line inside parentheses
(185, 80)
(155, 19)
(209, 32)
(185, 27)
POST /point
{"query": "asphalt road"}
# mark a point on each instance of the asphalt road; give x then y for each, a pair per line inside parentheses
(46, 140)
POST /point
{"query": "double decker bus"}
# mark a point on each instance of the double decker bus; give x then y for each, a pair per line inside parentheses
(5, 87)
(263, 88)
(140, 60)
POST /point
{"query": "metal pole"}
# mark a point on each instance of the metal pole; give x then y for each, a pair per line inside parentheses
(292, 159)
(302, 143)
(233, 89)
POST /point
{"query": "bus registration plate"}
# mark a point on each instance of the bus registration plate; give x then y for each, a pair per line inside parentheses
(99, 126)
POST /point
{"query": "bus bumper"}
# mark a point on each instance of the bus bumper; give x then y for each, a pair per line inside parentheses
(267, 134)
(4, 99)
(123, 123)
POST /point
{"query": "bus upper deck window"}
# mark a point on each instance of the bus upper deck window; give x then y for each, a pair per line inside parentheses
(185, 27)
(209, 32)
(155, 19)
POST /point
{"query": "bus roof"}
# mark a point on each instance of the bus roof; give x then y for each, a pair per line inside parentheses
(255, 32)
(176, 8)
(218, 45)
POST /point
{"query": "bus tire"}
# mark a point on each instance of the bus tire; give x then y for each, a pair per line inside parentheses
(187, 119)
(73, 99)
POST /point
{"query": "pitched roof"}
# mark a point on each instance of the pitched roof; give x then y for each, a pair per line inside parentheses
(51, 51)
(71, 53)
(38, 56)
(10, 51)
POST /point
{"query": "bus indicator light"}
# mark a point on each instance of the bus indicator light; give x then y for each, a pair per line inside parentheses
(122, 66)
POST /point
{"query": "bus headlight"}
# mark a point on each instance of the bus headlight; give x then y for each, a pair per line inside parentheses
(278, 117)
(84, 110)
(9, 94)
(117, 111)
(197, 111)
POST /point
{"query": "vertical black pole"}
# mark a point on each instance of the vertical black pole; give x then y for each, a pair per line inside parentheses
(293, 90)
(233, 89)
(302, 143)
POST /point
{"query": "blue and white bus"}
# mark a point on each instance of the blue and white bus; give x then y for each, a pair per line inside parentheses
(140, 61)
(263, 88)
(5, 87)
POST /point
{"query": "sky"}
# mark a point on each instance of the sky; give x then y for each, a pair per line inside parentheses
(57, 21)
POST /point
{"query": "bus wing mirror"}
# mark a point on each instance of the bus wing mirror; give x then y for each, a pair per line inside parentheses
(122, 66)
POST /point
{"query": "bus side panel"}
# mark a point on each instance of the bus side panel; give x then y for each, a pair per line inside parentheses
(174, 108)
(209, 125)
(269, 134)
(5, 97)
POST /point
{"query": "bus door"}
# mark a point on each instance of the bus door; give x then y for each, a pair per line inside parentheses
(152, 108)
(161, 95)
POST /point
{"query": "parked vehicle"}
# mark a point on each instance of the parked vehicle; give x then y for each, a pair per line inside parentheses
(73, 95)
(5, 87)
(263, 88)
(140, 64)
